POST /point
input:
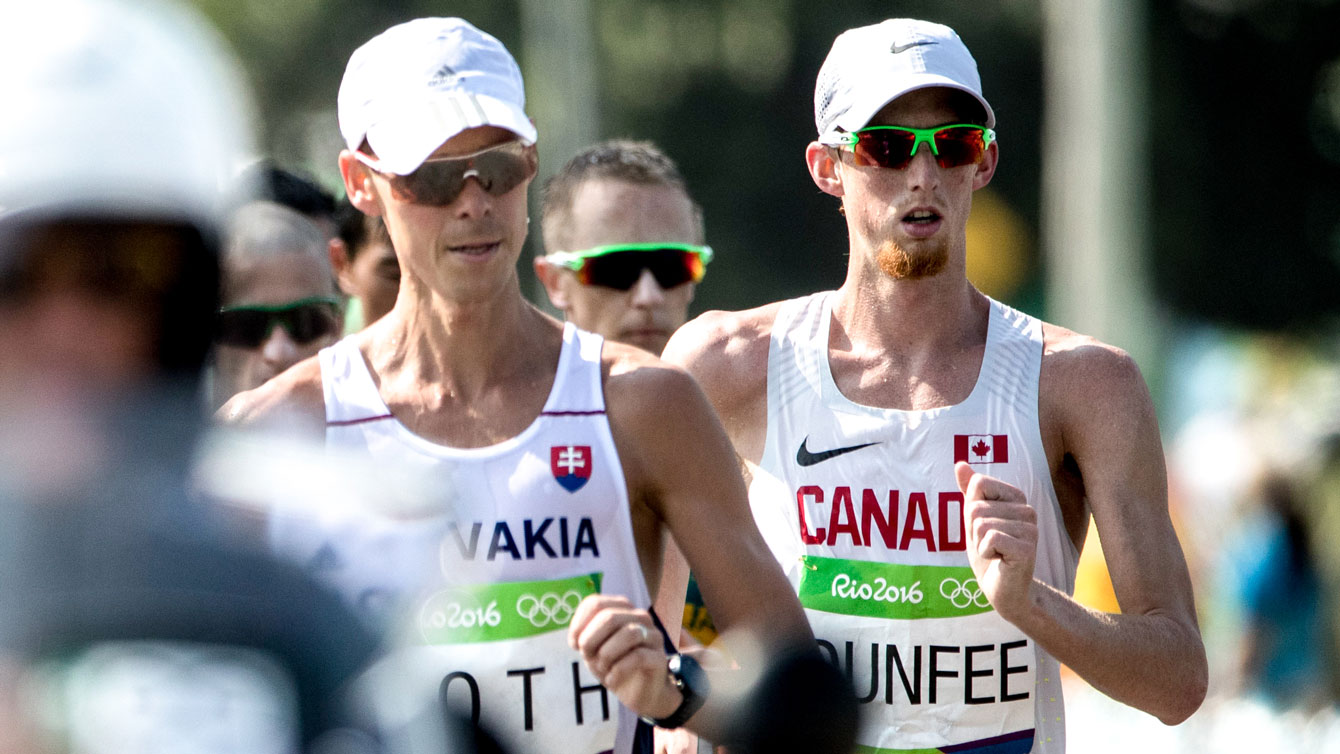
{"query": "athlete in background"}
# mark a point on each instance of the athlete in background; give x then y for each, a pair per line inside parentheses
(924, 460)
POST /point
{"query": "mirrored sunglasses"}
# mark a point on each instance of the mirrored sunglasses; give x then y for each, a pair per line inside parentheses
(305, 320)
(619, 266)
(894, 146)
(439, 180)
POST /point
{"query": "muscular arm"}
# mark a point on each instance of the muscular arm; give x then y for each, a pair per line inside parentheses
(680, 464)
(292, 405)
(1150, 656)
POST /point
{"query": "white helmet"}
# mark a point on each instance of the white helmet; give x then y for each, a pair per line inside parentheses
(118, 108)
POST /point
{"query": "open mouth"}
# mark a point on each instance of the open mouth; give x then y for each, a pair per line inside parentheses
(921, 217)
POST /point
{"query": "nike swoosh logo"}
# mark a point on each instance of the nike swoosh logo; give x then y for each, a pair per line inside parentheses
(897, 48)
(805, 458)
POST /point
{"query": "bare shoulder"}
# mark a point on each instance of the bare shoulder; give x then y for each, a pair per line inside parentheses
(291, 402)
(1092, 397)
(727, 353)
(1081, 368)
(638, 380)
(720, 346)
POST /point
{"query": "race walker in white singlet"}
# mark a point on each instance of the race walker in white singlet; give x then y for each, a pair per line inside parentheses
(486, 581)
(861, 507)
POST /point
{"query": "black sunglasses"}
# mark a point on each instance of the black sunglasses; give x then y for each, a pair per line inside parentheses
(619, 266)
(305, 320)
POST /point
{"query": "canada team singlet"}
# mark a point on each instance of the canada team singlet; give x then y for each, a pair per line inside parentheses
(861, 507)
(485, 578)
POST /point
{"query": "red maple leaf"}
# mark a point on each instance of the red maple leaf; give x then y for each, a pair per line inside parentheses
(981, 448)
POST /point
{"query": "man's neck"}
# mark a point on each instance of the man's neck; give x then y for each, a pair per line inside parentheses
(907, 344)
(459, 345)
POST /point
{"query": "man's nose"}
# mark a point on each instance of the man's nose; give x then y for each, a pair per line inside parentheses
(646, 291)
(279, 348)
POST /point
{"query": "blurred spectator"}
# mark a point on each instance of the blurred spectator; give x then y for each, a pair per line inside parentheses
(1284, 651)
(267, 181)
(365, 266)
(280, 305)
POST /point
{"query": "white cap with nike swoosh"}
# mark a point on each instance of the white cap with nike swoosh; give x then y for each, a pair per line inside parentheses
(871, 66)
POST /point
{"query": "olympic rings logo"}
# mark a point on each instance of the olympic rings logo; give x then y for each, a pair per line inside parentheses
(961, 595)
(548, 608)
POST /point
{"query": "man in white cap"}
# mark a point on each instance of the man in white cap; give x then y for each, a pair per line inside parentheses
(924, 460)
(561, 461)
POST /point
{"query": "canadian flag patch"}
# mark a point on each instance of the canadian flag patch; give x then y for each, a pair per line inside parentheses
(982, 448)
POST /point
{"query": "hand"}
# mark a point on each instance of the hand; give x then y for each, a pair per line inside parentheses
(677, 741)
(623, 649)
(1002, 531)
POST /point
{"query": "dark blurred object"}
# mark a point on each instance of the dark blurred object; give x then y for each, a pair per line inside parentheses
(801, 705)
(267, 180)
(1244, 164)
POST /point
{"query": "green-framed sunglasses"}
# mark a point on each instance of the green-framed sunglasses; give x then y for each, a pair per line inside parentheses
(894, 146)
(619, 266)
(305, 320)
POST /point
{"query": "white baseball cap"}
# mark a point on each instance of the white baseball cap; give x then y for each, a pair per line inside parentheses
(871, 66)
(417, 84)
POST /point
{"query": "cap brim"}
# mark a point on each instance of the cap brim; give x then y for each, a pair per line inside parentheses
(408, 136)
(859, 115)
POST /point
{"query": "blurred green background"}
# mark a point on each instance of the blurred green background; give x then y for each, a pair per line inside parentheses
(1169, 182)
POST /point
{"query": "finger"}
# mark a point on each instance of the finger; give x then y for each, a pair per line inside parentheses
(628, 636)
(587, 613)
(963, 473)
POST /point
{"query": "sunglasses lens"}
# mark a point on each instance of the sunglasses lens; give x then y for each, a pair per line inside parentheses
(243, 328)
(890, 148)
(249, 328)
(311, 321)
(959, 146)
(438, 182)
(884, 148)
(621, 270)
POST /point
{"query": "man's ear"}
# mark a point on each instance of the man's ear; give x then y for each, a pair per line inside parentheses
(358, 185)
(337, 250)
(552, 278)
(987, 167)
(822, 161)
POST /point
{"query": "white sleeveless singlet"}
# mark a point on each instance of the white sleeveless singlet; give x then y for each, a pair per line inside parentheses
(861, 508)
(486, 576)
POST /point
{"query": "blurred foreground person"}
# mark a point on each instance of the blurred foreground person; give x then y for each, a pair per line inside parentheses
(559, 462)
(924, 460)
(280, 304)
(126, 624)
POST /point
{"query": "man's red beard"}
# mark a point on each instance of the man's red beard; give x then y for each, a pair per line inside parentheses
(900, 265)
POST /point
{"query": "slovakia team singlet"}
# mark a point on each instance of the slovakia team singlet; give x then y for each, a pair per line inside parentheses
(488, 575)
(861, 508)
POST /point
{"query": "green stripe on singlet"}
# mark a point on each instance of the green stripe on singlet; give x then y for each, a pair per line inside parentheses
(509, 610)
(892, 591)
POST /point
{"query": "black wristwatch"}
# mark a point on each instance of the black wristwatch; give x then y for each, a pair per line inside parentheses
(691, 680)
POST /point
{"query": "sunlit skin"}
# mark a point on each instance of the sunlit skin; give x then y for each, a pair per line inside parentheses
(272, 280)
(612, 211)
